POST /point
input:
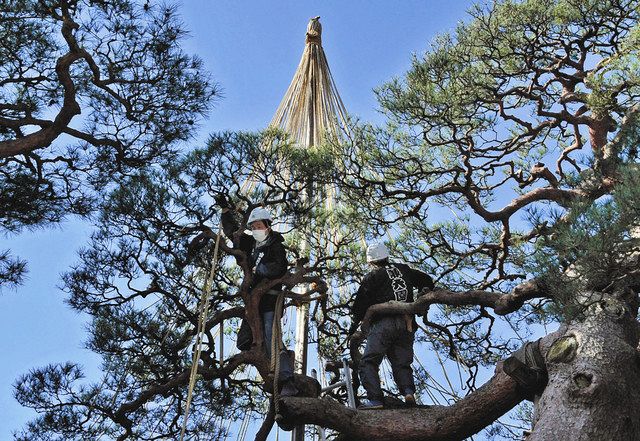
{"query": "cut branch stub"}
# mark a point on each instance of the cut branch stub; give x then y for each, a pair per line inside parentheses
(563, 350)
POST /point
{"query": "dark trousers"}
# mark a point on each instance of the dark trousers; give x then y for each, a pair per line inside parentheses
(286, 366)
(388, 336)
(245, 339)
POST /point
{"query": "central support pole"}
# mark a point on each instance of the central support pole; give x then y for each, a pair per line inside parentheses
(301, 351)
(302, 337)
(302, 342)
(310, 110)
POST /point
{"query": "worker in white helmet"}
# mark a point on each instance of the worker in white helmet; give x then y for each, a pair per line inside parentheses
(391, 335)
(268, 259)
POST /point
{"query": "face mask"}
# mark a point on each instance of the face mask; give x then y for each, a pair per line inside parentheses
(259, 235)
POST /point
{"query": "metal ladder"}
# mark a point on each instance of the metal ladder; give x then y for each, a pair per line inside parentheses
(351, 398)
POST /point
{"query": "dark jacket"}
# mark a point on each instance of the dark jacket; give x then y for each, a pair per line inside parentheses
(393, 281)
(268, 260)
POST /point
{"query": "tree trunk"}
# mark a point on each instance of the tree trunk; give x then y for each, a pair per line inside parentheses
(593, 391)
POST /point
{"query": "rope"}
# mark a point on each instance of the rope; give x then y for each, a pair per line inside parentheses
(204, 312)
(276, 347)
(244, 427)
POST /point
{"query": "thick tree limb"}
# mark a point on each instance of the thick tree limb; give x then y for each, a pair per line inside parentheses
(456, 422)
(501, 303)
(560, 196)
(427, 423)
(44, 137)
(267, 424)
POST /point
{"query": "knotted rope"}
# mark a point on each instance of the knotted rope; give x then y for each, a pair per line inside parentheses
(276, 348)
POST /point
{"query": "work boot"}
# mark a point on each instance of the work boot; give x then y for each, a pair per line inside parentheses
(289, 389)
(410, 400)
(371, 404)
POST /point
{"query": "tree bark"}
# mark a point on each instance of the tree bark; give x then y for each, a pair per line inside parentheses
(593, 391)
(267, 424)
(437, 423)
(426, 423)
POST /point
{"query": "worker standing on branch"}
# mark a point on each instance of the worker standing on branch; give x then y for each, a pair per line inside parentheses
(268, 260)
(390, 335)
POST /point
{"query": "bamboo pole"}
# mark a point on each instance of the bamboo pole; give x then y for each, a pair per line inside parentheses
(310, 110)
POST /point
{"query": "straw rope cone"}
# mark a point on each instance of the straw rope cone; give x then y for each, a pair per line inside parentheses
(311, 110)
(311, 107)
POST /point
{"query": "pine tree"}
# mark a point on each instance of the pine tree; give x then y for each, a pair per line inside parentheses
(90, 91)
(530, 102)
(534, 103)
(142, 278)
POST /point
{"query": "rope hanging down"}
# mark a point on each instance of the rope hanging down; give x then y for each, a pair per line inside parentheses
(276, 348)
(202, 319)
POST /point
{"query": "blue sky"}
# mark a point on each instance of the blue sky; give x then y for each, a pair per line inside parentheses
(252, 49)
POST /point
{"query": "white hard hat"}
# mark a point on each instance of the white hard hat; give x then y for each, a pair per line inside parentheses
(257, 214)
(377, 251)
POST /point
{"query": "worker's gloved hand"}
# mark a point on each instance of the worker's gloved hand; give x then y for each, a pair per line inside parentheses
(221, 200)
